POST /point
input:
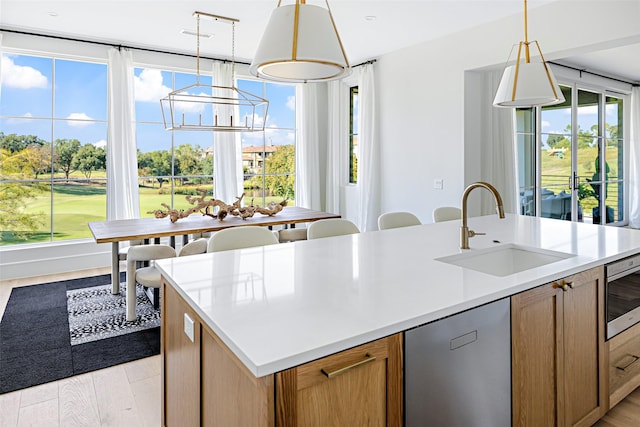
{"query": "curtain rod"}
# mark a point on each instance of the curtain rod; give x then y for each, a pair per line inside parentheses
(584, 70)
(371, 61)
(119, 46)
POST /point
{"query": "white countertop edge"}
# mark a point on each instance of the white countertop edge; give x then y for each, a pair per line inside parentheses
(354, 341)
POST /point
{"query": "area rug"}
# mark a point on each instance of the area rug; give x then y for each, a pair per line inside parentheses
(55, 330)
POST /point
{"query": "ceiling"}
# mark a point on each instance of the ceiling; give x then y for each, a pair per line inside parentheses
(368, 29)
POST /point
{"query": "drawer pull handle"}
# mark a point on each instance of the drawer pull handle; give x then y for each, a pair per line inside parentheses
(634, 359)
(330, 374)
(564, 285)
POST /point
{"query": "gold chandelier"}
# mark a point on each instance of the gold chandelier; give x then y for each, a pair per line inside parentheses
(217, 108)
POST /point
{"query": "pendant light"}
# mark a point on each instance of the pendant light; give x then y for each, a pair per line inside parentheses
(217, 108)
(528, 82)
(300, 44)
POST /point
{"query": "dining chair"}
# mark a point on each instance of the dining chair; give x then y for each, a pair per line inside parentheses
(292, 234)
(331, 227)
(446, 213)
(123, 251)
(397, 219)
(240, 238)
(150, 276)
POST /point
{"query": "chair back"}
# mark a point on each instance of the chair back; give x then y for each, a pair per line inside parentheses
(331, 227)
(397, 219)
(149, 252)
(292, 234)
(198, 246)
(446, 213)
(240, 238)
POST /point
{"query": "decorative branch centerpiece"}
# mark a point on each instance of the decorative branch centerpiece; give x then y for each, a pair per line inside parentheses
(207, 207)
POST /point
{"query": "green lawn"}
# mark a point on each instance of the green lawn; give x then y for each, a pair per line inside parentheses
(75, 205)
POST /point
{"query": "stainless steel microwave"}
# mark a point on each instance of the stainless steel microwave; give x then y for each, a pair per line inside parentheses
(622, 295)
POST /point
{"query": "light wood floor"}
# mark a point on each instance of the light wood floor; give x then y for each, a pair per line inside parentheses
(123, 395)
(129, 394)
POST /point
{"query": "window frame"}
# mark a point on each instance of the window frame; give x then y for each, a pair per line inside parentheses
(604, 91)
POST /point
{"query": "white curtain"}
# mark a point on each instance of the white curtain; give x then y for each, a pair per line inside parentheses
(498, 155)
(122, 163)
(369, 151)
(335, 172)
(307, 147)
(227, 149)
(634, 164)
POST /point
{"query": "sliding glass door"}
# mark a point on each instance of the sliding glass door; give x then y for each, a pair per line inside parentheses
(561, 151)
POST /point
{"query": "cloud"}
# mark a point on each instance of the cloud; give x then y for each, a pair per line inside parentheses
(23, 119)
(291, 103)
(148, 86)
(545, 124)
(101, 144)
(21, 77)
(72, 120)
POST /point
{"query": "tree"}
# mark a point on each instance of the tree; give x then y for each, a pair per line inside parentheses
(155, 164)
(65, 150)
(15, 143)
(188, 160)
(280, 167)
(39, 159)
(14, 196)
(89, 158)
(557, 141)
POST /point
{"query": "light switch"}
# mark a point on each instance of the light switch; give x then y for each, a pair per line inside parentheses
(188, 327)
(438, 184)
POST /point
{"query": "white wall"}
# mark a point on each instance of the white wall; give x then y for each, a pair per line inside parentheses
(424, 126)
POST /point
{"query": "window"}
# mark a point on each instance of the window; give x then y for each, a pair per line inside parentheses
(268, 158)
(353, 134)
(560, 150)
(172, 165)
(53, 134)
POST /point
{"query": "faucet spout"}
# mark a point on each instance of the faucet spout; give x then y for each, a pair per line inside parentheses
(465, 233)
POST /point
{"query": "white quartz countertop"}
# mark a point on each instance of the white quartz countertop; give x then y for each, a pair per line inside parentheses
(279, 306)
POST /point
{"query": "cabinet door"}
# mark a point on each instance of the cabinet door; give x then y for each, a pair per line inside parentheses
(536, 356)
(180, 363)
(559, 362)
(360, 386)
(585, 367)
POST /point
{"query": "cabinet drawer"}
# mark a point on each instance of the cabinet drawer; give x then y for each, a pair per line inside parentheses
(328, 367)
(624, 364)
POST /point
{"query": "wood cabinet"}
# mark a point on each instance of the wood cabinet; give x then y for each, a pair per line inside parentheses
(358, 387)
(205, 384)
(559, 362)
(624, 364)
(180, 363)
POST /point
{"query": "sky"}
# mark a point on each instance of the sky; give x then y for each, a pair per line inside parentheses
(80, 100)
(27, 102)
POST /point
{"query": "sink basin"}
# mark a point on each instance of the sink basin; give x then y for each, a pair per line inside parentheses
(505, 260)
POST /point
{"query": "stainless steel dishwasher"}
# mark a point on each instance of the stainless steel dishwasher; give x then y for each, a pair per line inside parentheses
(458, 369)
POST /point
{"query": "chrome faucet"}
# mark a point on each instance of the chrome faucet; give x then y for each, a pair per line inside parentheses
(465, 233)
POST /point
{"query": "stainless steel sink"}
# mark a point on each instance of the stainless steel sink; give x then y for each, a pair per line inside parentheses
(506, 259)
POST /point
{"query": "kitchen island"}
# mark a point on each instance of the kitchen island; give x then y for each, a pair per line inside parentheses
(275, 308)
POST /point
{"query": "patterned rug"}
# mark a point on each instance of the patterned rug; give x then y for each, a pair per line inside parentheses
(59, 329)
(95, 313)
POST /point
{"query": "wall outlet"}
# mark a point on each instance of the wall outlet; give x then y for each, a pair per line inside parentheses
(189, 327)
(438, 184)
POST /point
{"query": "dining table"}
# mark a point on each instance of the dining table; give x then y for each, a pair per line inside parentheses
(122, 230)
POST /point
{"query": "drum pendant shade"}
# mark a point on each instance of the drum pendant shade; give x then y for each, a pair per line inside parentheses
(300, 44)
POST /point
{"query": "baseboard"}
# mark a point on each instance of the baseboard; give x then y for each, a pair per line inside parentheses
(37, 260)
